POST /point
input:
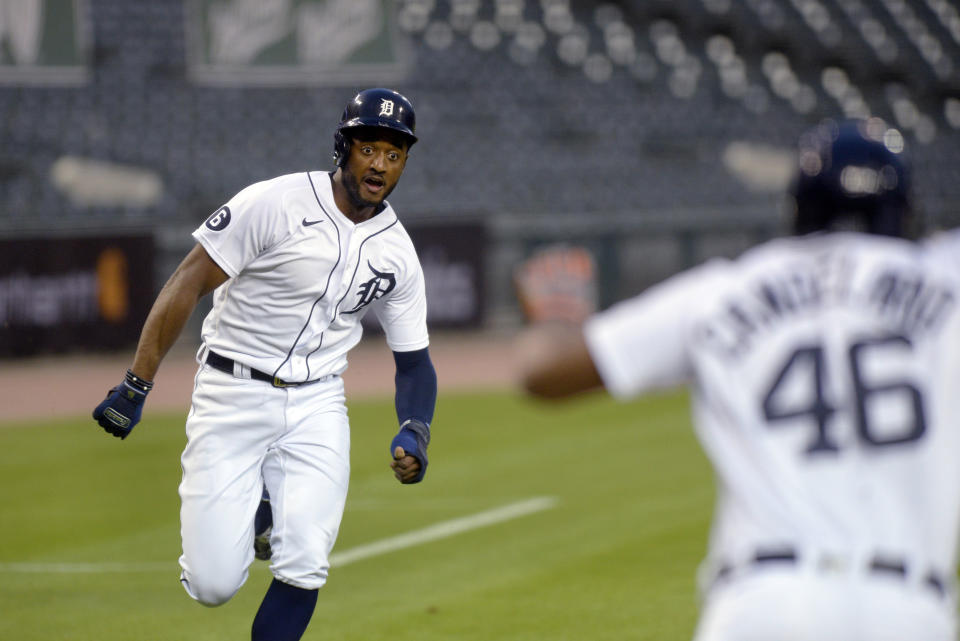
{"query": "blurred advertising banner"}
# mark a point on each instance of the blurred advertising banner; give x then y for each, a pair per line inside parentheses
(43, 41)
(452, 256)
(294, 42)
(59, 294)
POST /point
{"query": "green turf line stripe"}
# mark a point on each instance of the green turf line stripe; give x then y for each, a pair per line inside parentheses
(435, 532)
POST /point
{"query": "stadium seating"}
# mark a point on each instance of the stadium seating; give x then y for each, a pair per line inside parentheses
(525, 107)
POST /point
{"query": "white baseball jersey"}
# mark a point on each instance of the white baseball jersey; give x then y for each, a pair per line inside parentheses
(826, 375)
(303, 276)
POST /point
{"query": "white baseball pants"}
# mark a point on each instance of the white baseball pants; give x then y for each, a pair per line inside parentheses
(242, 434)
(802, 604)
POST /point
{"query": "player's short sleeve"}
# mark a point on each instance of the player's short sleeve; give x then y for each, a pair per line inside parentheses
(243, 228)
(642, 343)
(403, 315)
(943, 249)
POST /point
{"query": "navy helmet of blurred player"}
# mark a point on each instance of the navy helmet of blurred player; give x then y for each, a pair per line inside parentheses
(853, 176)
(374, 108)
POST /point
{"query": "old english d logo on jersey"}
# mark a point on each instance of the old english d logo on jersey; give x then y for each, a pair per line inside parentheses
(381, 284)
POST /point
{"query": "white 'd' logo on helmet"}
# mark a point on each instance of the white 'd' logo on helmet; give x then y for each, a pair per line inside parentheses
(386, 107)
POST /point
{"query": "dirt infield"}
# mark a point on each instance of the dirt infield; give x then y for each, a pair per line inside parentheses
(60, 386)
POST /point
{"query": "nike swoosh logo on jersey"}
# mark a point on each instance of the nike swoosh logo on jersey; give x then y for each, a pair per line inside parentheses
(308, 223)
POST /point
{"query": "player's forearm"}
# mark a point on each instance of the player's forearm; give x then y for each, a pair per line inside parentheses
(194, 278)
(164, 325)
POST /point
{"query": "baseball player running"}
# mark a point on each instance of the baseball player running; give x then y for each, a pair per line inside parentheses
(294, 263)
(825, 371)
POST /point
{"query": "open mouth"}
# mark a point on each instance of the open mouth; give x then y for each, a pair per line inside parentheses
(374, 183)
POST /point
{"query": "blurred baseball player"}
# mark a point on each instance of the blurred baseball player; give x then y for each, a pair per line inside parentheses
(294, 263)
(825, 371)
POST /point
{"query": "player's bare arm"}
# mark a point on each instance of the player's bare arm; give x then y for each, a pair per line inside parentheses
(555, 361)
(195, 277)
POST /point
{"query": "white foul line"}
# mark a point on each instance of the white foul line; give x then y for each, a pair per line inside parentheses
(443, 530)
(434, 532)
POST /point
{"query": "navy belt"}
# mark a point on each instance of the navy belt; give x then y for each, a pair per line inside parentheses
(891, 566)
(224, 364)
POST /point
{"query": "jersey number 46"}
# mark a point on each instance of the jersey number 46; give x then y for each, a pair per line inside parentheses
(808, 362)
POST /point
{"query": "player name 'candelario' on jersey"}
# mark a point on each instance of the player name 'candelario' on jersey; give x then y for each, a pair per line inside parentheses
(904, 302)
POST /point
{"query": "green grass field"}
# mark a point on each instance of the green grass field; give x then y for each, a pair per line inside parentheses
(613, 560)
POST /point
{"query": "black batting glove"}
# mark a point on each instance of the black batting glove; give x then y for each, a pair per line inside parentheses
(120, 410)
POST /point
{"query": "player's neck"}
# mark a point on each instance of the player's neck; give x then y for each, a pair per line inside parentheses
(346, 204)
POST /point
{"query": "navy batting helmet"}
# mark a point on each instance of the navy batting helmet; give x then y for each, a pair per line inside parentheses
(852, 176)
(374, 108)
